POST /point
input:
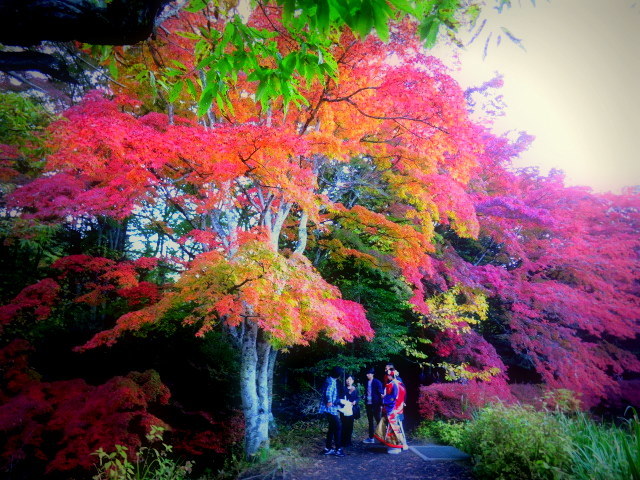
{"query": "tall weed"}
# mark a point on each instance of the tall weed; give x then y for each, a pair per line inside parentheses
(151, 463)
(597, 451)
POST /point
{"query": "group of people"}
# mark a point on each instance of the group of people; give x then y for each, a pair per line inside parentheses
(384, 405)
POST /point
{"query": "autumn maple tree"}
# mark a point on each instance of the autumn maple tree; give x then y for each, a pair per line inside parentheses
(243, 187)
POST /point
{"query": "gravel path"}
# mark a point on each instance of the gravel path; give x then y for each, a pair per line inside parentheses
(372, 462)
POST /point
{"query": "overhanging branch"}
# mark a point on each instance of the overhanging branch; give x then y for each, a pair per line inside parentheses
(101, 22)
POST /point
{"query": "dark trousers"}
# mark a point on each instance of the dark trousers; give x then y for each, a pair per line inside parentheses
(347, 429)
(334, 433)
(373, 412)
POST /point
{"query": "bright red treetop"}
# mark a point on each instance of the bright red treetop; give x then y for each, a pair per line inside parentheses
(256, 171)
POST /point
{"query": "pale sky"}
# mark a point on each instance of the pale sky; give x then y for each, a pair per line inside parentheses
(576, 87)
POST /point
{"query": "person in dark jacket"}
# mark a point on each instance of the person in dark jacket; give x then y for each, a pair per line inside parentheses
(332, 392)
(373, 402)
(347, 415)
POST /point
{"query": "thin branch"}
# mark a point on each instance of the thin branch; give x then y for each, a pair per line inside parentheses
(24, 80)
(314, 111)
(396, 119)
(348, 97)
(101, 71)
(237, 287)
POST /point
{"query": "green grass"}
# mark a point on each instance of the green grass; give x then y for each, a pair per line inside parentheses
(301, 436)
(602, 451)
(632, 447)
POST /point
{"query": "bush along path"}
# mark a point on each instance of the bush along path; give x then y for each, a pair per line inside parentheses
(365, 462)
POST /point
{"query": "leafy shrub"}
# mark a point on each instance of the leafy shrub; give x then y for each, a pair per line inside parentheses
(444, 431)
(206, 435)
(423, 431)
(517, 442)
(151, 463)
(55, 426)
(562, 400)
(61, 423)
(450, 433)
(459, 400)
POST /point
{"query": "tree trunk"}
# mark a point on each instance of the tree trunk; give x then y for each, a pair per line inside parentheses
(276, 228)
(302, 233)
(256, 377)
(272, 366)
(263, 385)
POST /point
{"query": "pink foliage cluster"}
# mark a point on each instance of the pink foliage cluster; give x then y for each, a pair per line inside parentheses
(14, 359)
(122, 158)
(626, 394)
(109, 277)
(528, 393)
(351, 316)
(56, 426)
(141, 294)
(510, 207)
(560, 265)
(446, 342)
(478, 354)
(460, 400)
(103, 273)
(568, 286)
(37, 299)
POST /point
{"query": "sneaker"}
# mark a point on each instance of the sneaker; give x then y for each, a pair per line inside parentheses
(328, 451)
(339, 452)
(369, 440)
(394, 451)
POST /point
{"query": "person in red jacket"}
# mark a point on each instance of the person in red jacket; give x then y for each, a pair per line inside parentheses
(390, 430)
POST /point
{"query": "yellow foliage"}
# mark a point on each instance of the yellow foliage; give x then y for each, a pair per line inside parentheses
(457, 308)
